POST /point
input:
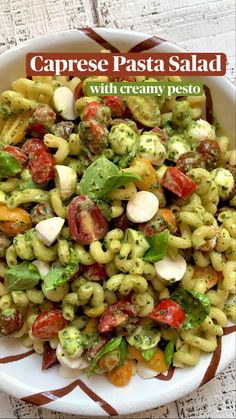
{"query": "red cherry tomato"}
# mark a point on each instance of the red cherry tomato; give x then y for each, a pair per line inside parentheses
(210, 153)
(116, 104)
(10, 321)
(37, 130)
(33, 145)
(17, 153)
(86, 221)
(44, 115)
(93, 135)
(97, 112)
(95, 272)
(47, 324)
(188, 161)
(178, 183)
(168, 312)
(115, 315)
(41, 212)
(122, 222)
(49, 357)
(41, 166)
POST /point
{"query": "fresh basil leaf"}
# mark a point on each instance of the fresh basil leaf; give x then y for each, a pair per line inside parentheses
(101, 177)
(169, 351)
(158, 247)
(9, 165)
(95, 177)
(123, 351)
(58, 276)
(196, 306)
(22, 277)
(104, 207)
(115, 181)
(110, 346)
(149, 353)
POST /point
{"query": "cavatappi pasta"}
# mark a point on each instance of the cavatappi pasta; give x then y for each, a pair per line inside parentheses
(117, 227)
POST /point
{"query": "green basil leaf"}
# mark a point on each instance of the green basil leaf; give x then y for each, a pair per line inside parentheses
(148, 354)
(158, 247)
(104, 207)
(58, 276)
(169, 351)
(123, 351)
(22, 277)
(196, 306)
(9, 165)
(115, 181)
(110, 346)
(101, 177)
(95, 177)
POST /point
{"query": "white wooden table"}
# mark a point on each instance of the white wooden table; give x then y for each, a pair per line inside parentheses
(198, 25)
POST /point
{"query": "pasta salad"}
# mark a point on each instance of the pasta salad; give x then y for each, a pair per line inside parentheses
(117, 228)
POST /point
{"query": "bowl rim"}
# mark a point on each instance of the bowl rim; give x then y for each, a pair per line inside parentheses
(35, 43)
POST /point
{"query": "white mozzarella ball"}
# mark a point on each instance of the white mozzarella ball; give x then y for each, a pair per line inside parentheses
(224, 181)
(142, 207)
(151, 148)
(63, 103)
(171, 270)
(79, 362)
(201, 130)
(65, 179)
(48, 230)
(145, 372)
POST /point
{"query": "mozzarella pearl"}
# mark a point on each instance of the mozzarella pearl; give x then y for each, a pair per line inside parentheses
(48, 230)
(171, 270)
(78, 362)
(63, 102)
(142, 207)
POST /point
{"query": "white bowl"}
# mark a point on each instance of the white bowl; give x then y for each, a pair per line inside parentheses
(21, 376)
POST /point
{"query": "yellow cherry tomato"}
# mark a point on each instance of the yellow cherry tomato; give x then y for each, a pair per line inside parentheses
(157, 363)
(13, 221)
(149, 178)
(169, 217)
(121, 376)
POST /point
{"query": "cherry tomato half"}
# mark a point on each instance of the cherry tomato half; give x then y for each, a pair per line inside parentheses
(10, 321)
(37, 130)
(86, 221)
(121, 376)
(168, 312)
(17, 153)
(33, 145)
(115, 315)
(116, 104)
(13, 221)
(95, 272)
(97, 112)
(41, 166)
(47, 324)
(210, 153)
(209, 274)
(49, 357)
(122, 222)
(178, 183)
